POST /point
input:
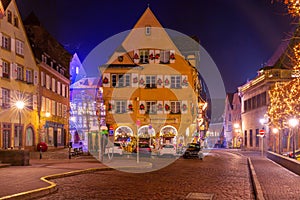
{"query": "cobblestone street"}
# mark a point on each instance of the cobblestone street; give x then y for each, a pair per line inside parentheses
(221, 176)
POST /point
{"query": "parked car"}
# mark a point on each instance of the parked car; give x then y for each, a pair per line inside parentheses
(167, 150)
(193, 151)
(144, 149)
(116, 149)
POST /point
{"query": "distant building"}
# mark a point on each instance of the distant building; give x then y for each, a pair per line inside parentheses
(232, 121)
(151, 90)
(83, 116)
(77, 71)
(19, 76)
(54, 78)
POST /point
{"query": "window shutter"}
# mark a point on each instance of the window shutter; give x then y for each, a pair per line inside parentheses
(0, 39)
(13, 70)
(42, 79)
(1, 97)
(184, 107)
(142, 107)
(167, 107)
(106, 80)
(136, 56)
(130, 106)
(1, 66)
(112, 106)
(160, 107)
(172, 56)
(13, 44)
(58, 88)
(157, 56)
(160, 81)
(53, 107)
(34, 102)
(151, 56)
(184, 81)
(63, 90)
(53, 85)
(167, 81)
(135, 80)
(142, 81)
(43, 104)
(35, 80)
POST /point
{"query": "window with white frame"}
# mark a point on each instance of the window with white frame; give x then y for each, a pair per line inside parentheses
(120, 80)
(151, 81)
(6, 41)
(64, 111)
(29, 76)
(5, 69)
(151, 107)
(58, 113)
(20, 72)
(19, 47)
(176, 81)
(144, 56)
(120, 106)
(5, 98)
(175, 107)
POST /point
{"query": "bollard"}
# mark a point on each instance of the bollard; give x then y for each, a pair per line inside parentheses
(40, 151)
(69, 152)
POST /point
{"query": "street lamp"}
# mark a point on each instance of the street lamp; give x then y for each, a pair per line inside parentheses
(293, 122)
(20, 106)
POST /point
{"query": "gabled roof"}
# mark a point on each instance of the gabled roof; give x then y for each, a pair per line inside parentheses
(86, 83)
(147, 19)
(137, 39)
(41, 41)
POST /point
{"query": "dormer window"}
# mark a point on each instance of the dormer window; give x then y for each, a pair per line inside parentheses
(9, 16)
(148, 30)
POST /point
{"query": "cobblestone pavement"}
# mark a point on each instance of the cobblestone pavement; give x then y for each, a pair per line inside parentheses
(276, 181)
(222, 174)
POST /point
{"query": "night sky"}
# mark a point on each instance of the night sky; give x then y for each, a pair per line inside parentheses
(239, 35)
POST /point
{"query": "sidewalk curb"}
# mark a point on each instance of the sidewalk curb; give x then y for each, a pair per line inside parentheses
(256, 185)
(53, 187)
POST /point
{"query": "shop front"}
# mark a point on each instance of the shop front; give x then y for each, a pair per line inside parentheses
(124, 135)
(55, 134)
(168, 135)
(147, 134)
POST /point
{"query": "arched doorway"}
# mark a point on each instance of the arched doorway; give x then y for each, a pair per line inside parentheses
(168, 135)
(124, 135)
(147, 134)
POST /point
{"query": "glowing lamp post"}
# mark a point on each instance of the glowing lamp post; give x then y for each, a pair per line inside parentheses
(20, 106)
(293, 123)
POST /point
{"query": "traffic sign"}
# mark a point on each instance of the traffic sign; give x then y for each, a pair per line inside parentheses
(261, 132)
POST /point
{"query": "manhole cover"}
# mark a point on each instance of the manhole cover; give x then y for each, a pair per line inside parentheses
(202, 196)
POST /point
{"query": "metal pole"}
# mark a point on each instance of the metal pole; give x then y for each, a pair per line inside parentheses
(262, 146)
(293, 132)
(19, 130)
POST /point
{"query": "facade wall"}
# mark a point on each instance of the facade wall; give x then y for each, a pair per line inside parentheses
(18, 81)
